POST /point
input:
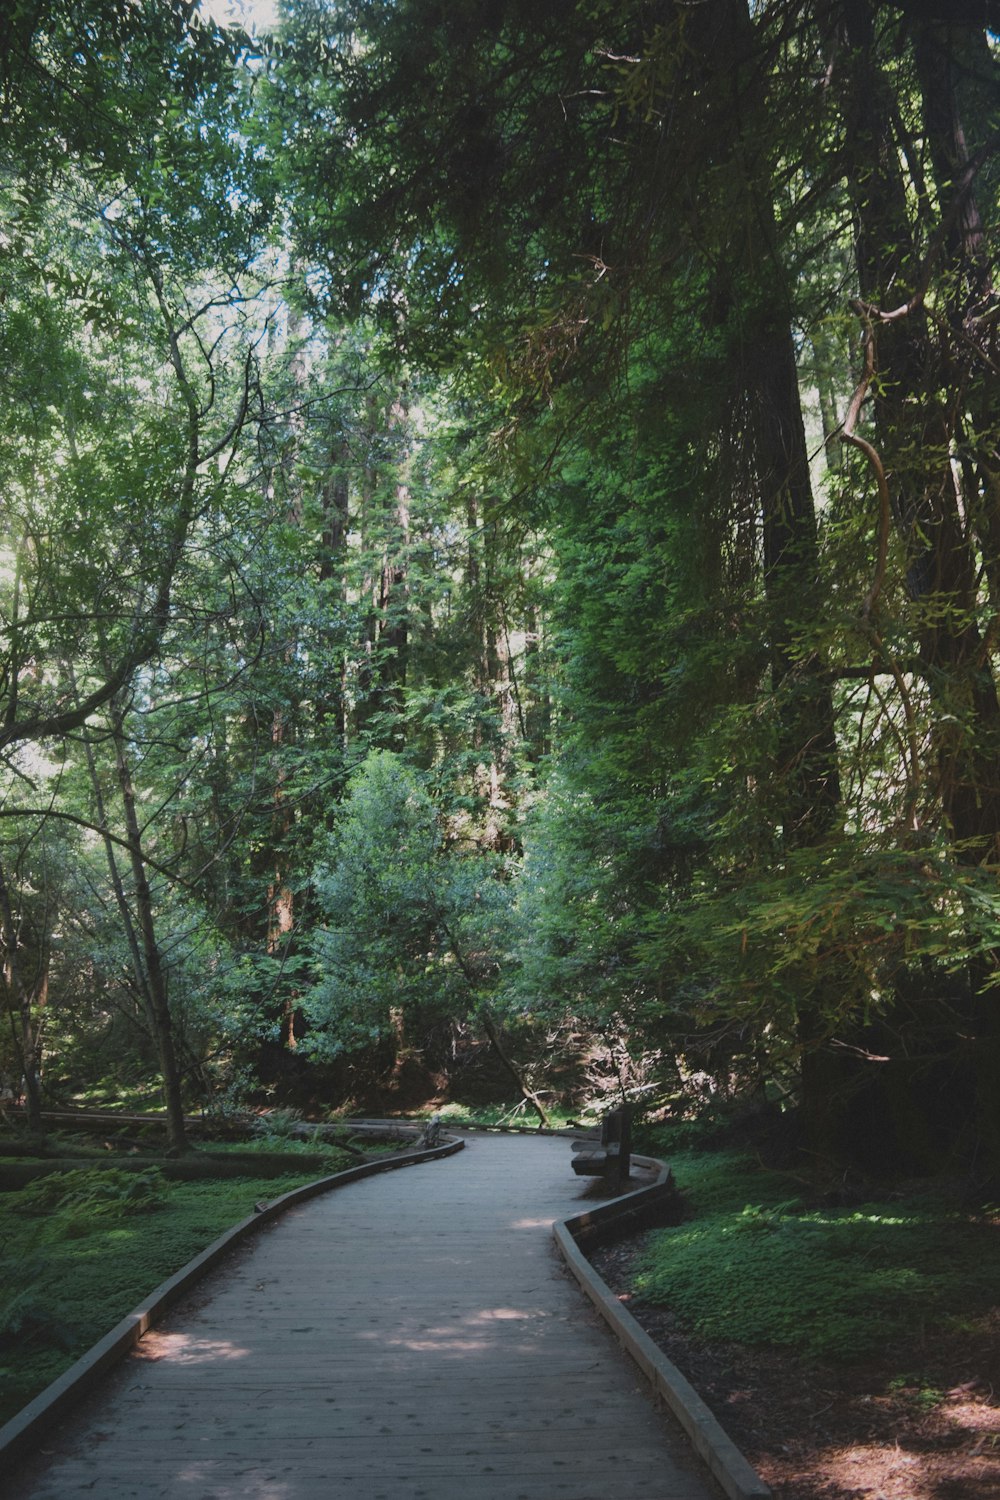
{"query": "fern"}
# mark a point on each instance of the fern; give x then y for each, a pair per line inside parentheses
(95, 1192)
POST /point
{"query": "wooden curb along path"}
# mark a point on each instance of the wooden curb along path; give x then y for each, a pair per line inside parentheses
(411, 1339)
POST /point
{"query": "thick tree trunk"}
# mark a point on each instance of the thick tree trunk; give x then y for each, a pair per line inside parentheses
(808, 762)
(808, 749)
(915, 421)
(960, 87)
(926, 402)
(23, 1005)
(777, 456)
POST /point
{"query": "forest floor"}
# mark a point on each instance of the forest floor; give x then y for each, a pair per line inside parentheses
(834, 1431)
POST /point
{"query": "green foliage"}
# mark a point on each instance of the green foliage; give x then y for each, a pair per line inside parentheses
(86, 1195)
(829, 1283)
(29, 1322)
(278, 1125)
(412, 925)
(850, 926)
(515, 1112)
(697, 1132)
(285, 1131)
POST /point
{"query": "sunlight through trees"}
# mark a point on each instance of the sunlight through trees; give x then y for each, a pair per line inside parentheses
(500, 563)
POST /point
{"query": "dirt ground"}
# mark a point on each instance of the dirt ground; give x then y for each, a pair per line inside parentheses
(818, 1431)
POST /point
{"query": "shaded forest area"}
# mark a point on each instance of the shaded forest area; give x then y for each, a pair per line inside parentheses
(500, 564)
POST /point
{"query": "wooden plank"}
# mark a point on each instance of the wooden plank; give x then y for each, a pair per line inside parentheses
(412, 1337)
(272, 1484)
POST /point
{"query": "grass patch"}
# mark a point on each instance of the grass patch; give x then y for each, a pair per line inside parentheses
(80, 1249)
(838, 1284)
(112, 1093)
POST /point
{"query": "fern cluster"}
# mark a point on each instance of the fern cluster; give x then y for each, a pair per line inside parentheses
(89, 1193)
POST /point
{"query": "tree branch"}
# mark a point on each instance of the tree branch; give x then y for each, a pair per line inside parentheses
(847, 434)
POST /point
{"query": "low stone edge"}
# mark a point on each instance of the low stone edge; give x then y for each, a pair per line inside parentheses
(724, 1460)
(32, 1422)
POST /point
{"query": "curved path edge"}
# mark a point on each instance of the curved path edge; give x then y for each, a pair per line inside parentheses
(724, 1460)
(33, 1421)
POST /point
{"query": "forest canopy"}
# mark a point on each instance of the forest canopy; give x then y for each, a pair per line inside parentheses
(500, 564)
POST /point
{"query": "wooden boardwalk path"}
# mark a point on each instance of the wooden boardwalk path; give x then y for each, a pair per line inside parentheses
(409, 1337)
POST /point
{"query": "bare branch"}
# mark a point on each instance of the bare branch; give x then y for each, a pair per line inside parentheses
(847, 434)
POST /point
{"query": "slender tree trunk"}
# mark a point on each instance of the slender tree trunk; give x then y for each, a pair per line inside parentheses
(336, 521)
(156, 988)
(493, 1034)
(279, 909)
(140, 940)
(386, 605)
(494, 677)
(114, 871)
(527, 1094)
(393, 593)
(538, 710)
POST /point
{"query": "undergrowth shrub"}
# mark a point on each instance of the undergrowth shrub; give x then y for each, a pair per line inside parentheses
(29, 1320)
(279, 1125)
(89, 1193)
(678, 1135)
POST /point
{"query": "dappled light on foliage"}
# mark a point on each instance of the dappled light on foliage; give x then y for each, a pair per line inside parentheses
(835, 1283)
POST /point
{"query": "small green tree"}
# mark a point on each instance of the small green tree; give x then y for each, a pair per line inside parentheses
(415, 920)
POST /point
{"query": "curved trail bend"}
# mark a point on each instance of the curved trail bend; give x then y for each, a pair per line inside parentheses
(409, 1337)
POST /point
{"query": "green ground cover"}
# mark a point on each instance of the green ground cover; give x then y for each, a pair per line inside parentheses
(80, 1249)
(753, 1264)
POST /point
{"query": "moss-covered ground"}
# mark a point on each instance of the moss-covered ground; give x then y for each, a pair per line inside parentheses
(756, 1262)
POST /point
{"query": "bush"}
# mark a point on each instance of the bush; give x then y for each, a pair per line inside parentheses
(278, 1124)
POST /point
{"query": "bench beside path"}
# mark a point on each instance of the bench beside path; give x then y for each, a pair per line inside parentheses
(413, 1336)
